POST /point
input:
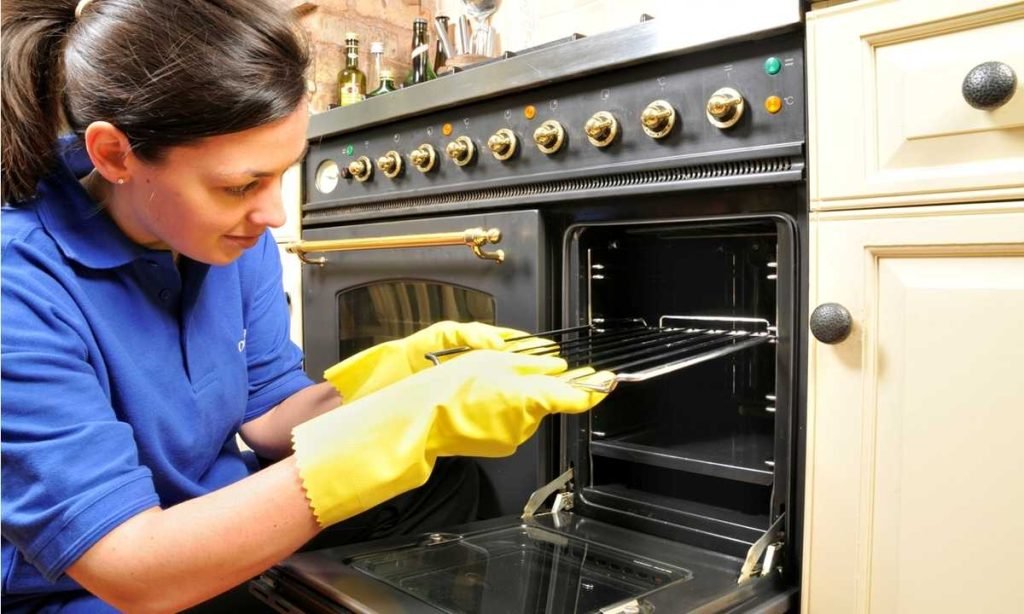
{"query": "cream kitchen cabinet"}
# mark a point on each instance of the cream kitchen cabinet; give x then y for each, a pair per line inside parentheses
(914, 484)
(889, 123)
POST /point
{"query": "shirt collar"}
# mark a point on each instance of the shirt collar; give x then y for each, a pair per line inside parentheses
(81, 229)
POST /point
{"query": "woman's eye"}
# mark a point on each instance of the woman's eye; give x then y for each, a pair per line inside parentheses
(243, 189)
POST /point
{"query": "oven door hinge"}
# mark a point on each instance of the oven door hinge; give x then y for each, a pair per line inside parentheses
(763, 554)
(563, 500)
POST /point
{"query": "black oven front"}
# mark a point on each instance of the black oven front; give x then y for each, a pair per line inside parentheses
(662, 202)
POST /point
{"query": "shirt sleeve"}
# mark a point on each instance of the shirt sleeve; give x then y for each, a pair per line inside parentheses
(70, 468)
(274, 361)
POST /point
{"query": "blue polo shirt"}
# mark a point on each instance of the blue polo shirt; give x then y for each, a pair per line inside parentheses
(125, 378)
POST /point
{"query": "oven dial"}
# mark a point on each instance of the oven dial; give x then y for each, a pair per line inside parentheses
(461, 150)
(390, 164)
(602, 129)
(549, 137)
(658, 119)
(424, 158)
(361, 168)
(503, 144)
(725, 108)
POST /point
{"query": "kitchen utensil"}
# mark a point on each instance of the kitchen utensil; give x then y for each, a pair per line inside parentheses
(441, 27)
(462, 36)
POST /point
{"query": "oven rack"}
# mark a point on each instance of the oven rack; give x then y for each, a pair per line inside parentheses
(633, 351)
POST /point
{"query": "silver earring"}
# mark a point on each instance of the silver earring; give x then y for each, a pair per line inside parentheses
(120, 181)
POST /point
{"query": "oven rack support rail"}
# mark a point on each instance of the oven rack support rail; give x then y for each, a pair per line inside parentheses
(630, 350)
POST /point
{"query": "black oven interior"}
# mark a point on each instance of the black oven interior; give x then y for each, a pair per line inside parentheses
(696, 454)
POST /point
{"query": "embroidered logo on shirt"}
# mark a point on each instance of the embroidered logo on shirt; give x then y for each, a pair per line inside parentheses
(241, 344)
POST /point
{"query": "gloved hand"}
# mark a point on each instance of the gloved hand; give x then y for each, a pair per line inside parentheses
(389, 362)
(482, 403)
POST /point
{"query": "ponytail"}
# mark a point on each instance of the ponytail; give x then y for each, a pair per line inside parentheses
(165, 72)
(34, 32)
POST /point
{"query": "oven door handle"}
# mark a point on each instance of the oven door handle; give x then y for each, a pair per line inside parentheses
(473, 238)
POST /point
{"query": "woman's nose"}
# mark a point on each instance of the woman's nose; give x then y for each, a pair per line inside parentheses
(269, 211)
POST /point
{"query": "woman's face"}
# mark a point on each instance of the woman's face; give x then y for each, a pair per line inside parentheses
(212, 199)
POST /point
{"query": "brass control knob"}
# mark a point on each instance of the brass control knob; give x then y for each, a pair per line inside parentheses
(390, 164)
(503, 144)
(461, 150)
(725, 107)
(601, 129)
(549, 137)
(361, 168)
(424, 158)
(658, 119)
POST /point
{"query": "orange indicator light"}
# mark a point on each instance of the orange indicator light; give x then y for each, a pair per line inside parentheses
(446, 129)
(530, 111)
(773, 104)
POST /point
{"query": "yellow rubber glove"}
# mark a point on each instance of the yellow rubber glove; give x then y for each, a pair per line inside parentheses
(384, 364)
(482, 403)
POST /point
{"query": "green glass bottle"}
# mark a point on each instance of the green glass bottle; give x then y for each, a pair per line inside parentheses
(351, 80)
(387, 84)
(421, 69)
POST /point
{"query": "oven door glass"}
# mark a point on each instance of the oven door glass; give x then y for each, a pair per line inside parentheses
(384, 311)
(553, 572)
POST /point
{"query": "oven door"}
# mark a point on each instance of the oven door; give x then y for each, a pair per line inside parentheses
(551, 563)
(367, 291)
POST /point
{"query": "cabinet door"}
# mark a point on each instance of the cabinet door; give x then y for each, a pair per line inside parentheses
(915, 472)
(888, 122)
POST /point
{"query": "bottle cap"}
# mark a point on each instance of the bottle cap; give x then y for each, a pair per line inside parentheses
(351, 36)
(377, 47)
(419, 21)
(387, 74)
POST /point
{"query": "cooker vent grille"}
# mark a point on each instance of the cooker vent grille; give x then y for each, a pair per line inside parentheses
(522, 193)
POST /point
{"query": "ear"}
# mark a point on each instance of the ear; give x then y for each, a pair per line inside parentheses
(109, 151)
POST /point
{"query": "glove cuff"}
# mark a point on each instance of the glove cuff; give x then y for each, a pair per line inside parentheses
(370, 370)
(351, 459)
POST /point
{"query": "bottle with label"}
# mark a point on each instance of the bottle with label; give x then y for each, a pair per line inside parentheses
(387, 84)
(421, 69)
(351, 80)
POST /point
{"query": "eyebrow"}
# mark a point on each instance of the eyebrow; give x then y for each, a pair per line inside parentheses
(255, 173)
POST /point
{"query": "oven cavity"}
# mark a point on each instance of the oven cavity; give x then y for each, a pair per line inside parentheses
(690, 452)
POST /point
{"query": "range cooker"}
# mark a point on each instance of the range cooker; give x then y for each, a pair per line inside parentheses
(646, 198)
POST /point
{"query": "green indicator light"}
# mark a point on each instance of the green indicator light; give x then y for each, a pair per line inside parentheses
(772, 66)
(349, 150)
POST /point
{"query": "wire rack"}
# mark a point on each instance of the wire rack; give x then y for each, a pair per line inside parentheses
(634, 351)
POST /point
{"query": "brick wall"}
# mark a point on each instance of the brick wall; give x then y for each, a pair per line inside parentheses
(327, 21)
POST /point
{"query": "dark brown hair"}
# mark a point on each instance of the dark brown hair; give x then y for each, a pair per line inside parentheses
(165, 72)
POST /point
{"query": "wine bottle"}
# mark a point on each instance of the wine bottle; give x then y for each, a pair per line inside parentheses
(421, 69)
(351, 80)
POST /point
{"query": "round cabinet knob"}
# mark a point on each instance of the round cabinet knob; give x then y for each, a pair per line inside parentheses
(424, 158)
(658, 119)
(831, 323)
(601, 129)
(725, 108)
(549, 137)
(361, 168)
(461, 150)
(503, 144)
(989, 86)
(390, 164)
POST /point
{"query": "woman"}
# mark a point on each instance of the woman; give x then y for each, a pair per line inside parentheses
(144, 324)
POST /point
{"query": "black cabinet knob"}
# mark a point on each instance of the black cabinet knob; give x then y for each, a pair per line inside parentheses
(989, 86)
(831, 323)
